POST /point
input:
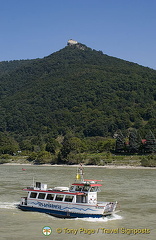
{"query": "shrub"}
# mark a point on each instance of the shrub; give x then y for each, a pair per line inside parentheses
(148, 161)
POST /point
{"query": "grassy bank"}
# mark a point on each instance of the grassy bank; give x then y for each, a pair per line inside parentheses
(99, 159)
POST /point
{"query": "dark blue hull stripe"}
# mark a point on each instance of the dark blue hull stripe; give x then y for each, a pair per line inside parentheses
(61, 214)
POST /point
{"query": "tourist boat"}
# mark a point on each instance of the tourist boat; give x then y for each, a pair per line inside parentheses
(78, 201)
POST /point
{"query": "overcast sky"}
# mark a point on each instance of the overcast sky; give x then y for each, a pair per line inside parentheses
(121, 28)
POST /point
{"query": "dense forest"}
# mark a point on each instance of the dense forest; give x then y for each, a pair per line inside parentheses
(76, 90)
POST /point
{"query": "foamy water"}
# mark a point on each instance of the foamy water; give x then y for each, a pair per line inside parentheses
(8, 205)
(104, 219)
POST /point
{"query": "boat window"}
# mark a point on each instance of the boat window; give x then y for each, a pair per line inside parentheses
(50, 196)
(33, 195)
(68, 198)
(38, 185)
(92, 189)
(78, 188)
(41, 195)
(72, 188)
(97, 189)
(59, 197)
(85, 188)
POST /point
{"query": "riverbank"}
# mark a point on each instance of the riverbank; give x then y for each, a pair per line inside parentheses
(88, 166)
(96, 160)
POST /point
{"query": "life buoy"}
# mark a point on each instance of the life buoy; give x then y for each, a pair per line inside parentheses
(92, 200)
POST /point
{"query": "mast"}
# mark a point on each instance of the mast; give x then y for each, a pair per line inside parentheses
(79, 175)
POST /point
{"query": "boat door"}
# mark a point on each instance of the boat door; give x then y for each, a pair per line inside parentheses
(81, 199)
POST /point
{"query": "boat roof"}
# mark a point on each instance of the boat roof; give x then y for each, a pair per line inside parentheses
(89, 184)
(91, 180)
(51, 191)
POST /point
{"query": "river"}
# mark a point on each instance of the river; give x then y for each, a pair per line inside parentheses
(134, 189)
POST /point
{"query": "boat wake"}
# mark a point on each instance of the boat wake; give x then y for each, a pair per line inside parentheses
(104, 219)
(8, 205)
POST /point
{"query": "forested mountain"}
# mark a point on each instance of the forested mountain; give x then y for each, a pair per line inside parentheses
(77, 89)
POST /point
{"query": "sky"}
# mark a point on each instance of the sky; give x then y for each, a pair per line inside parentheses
(125, 29)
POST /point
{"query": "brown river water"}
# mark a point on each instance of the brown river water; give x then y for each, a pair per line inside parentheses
(134, 189)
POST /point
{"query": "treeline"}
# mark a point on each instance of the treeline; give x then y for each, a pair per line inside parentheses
(70, 149)
(67, 149)
(134, 143)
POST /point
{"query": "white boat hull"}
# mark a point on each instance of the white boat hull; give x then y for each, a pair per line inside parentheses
(65, 210)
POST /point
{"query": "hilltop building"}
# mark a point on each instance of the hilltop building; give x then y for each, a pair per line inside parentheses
(71, 42)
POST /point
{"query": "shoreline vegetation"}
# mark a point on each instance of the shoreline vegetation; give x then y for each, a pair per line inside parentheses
(77, 165)
(111, 162)
(72, 150)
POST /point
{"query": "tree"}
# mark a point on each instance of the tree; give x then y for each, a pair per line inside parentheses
(52, 146)
(106, 145)
(70, 145)
(150, 146)
(134, 141)
(120, 142)
(8, 145)
(43, 157)
(148, 161)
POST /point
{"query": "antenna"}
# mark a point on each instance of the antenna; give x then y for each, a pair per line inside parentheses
(33, 182)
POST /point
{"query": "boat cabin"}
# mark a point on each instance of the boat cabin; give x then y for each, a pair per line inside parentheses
(84, 192)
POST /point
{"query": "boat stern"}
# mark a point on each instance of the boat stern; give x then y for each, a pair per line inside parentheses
(110, 208)
(23, 201)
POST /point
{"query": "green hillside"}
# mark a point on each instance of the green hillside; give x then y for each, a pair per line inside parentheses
(76, 89)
